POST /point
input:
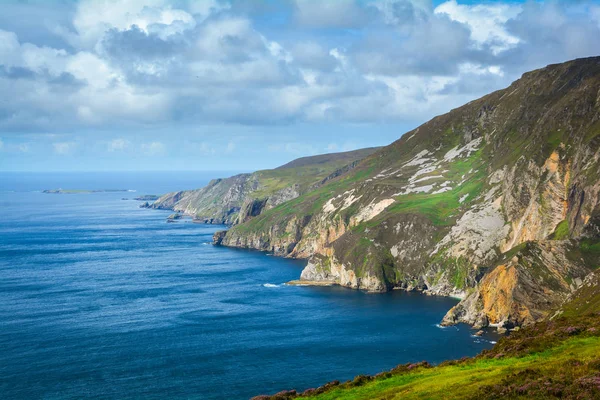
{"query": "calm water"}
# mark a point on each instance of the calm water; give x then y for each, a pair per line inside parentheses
(102, 299)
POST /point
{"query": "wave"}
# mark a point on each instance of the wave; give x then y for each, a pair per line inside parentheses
(446, 327)
(479, 339)
(270, 285)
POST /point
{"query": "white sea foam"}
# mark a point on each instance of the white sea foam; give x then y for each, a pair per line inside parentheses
(270, 285)
(446, 327)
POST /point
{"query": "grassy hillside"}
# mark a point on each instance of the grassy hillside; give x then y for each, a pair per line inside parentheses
(323, 159)
(222, 200)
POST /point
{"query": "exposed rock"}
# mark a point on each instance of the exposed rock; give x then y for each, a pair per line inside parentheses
(522, 288)
(218, 237)
(174, 217)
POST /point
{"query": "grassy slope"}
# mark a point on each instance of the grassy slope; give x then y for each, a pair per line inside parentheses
(304, 172)
(569, 361)
(329, 158)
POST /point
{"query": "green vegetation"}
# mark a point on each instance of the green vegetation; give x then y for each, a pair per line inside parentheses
(303, 206)
(553, 140)
(562, 231)
(222, 199)
(460, 272)
(441, 208)
(510, 377)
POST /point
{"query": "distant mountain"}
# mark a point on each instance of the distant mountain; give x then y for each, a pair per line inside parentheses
(238, 198)
(495, 202)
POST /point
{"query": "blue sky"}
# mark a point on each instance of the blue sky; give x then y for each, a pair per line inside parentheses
(249, 84)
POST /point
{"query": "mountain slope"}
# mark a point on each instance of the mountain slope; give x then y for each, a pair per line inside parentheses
(442, 208)
(237, 198)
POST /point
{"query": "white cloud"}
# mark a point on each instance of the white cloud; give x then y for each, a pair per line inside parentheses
(23, 147)
(93, 18)
(486, 22)
(230, 147)
(93, 70)
(205, 148)
(140, 64)
(9, 47)
(153, 148)
(64, 148)
(119, 144)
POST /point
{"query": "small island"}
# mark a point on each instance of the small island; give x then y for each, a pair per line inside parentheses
(83, 191)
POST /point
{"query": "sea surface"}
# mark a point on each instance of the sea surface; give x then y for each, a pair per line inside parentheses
(102, 299)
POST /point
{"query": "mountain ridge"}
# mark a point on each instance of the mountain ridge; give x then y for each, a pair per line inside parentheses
(240, 197)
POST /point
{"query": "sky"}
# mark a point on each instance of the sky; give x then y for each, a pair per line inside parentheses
(251, 84)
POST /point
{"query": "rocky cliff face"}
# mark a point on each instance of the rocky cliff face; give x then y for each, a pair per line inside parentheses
(443, 208)
(238, 198)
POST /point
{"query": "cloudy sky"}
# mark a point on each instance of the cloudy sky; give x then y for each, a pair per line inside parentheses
(247, 84)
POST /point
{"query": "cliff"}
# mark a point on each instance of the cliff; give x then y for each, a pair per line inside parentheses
(238, 198)
(493, 202)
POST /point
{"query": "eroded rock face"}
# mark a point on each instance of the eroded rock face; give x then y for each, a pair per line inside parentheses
(338, 273)
(524, 287)
(477, 233)
(217, 203)
(488, 202)
(536, 198)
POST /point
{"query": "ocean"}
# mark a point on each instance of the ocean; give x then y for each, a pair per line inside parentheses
(101, 299)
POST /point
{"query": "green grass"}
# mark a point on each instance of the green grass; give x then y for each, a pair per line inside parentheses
(465, 381)
(304, 205)
(439, 208)
(562, 231)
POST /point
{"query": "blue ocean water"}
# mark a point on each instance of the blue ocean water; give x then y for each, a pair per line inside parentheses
(102, 299)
